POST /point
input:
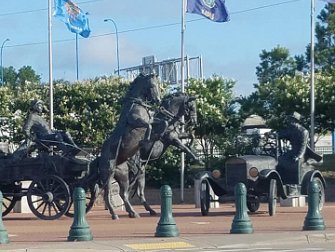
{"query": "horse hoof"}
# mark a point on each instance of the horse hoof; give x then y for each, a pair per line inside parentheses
(153, 213)
(115, 217)
(134, 215)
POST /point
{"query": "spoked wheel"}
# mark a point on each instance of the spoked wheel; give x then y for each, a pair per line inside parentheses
(91, 195)
(49, 197)
(253, 203)
(272, 197)
(204, 197)
(10, 198)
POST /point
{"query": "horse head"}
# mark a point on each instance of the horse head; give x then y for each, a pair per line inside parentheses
(146, 88)
(180, 104)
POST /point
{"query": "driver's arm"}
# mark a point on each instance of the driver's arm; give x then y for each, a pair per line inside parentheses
(27, 126)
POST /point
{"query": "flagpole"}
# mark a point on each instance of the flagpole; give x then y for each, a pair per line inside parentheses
(50, 66)
(77, 59)
(312, 91)
(182, 90)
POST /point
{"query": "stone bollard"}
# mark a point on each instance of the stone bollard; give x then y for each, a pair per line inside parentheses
(241, 223)
(80, 230)
(166, 226)
(314, 219)
(3, 232)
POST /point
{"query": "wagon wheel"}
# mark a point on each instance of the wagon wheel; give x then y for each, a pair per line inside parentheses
(322, 197)
(204, 197)
(272, 200)
(49, 197)
(253, 203)
(9, 198)
(91, 195)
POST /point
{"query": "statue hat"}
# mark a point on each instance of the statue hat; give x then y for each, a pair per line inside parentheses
(35, 102)
(295, 116)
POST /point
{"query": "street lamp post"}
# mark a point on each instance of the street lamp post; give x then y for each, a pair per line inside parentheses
(7, 39)
(117, 44)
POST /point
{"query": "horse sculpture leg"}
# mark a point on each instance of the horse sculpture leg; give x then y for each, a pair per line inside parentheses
(121, 177)
(108, 201)
(178, 143)
(124, 193)
(140, 193)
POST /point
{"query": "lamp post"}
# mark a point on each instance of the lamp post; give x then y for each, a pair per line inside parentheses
(117, 44)
(3, 43)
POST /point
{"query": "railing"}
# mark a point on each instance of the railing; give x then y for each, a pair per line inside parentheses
(324, 150)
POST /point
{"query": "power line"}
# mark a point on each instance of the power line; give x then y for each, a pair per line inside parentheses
(37, 10)
(147, 27)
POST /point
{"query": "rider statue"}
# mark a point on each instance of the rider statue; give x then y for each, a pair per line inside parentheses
(298, 136)
(37, 129)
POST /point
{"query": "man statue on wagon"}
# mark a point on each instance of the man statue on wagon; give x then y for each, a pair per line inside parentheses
(37, 129)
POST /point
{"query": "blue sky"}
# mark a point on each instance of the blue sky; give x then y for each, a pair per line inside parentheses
(228, 49)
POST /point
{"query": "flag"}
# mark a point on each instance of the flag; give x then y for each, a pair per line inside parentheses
(329, 1)
(214, 10)
(74, 18)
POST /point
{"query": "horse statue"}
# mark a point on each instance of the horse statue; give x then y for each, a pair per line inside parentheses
(165, 132)
(133, 126)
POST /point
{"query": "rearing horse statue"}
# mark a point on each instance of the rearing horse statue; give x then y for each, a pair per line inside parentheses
(165, 132)
(133, 126)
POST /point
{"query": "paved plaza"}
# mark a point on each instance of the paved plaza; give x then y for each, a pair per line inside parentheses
(282, 232)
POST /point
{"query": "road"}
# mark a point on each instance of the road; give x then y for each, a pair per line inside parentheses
(197, 233)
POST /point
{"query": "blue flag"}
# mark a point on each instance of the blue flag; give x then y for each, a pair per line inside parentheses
(74, 18)
(214, 10)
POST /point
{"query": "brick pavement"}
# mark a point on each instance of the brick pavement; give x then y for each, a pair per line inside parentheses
(27, 233)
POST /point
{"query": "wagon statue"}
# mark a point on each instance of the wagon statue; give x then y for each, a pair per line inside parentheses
(280, 165)
(48, 159)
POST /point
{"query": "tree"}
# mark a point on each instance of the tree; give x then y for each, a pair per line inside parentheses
(325, 40)
(275, 64)
(27, 74)
(217, 121)
(288, 94)
(10, 76)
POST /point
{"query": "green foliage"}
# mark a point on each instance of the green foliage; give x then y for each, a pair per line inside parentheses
(217, 114)
(325, 40)
(26, 74)
(288, 94)
(165, 170)
(88, 110)
(275, 64)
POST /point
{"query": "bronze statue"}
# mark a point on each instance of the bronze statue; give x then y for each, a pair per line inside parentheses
(133, 126)
(37, 129)
(165, 132)
(298, 137)
(299, 153)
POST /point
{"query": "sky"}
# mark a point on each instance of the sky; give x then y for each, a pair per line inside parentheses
(152, 27)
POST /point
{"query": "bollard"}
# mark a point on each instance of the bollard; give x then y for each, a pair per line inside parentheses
(80, 230)
(313, 219)
(3, 232)
(241, 223)
(166, 226)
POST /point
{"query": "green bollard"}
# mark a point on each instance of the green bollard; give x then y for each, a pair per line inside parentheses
(166, 226)
(80, 230)
(3, 232)
(313, 219)
(241, 223)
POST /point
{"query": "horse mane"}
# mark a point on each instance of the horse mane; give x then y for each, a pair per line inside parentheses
(170, 97)
(134, 84)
